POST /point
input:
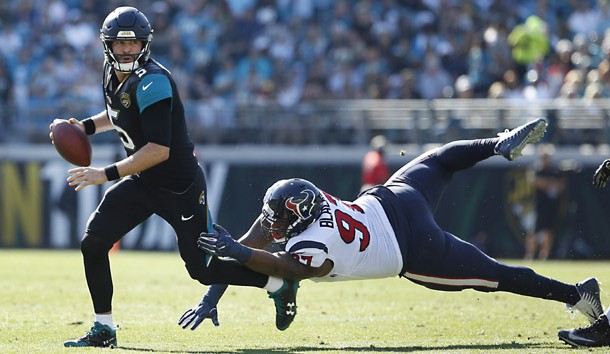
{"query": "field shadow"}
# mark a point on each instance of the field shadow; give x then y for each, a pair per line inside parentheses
(412, 349)
(372, 349)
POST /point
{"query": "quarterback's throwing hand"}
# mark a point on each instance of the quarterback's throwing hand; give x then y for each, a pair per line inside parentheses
(602, 174)
(221, 244)
(197, 314)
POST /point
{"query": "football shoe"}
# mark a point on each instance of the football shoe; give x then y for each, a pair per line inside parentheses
(512, 142)
(594, 335)
(285, 300)
(101, 335)
(589, 304)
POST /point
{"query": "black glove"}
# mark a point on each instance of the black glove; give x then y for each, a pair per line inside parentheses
(221, 244)
(205, 309)
(197, 314)
(601, 175)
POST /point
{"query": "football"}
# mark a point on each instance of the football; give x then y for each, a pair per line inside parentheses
(71, 143)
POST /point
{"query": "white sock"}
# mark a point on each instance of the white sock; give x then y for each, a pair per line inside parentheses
(105, 319)
(273, 284)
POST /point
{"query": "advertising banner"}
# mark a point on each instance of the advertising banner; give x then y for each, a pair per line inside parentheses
(488, 205)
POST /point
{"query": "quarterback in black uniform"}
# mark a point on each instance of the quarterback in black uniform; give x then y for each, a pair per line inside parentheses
(160, 174)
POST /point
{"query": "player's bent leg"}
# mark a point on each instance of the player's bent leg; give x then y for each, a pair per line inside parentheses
(100, 335)
(595, 335)
(221, 271)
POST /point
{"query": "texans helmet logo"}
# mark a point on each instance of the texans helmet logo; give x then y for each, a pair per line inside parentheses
(301, 207)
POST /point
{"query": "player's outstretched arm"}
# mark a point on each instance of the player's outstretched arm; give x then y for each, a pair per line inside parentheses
(284, 265)
(601, 175)
(280, 264)
(204, 309)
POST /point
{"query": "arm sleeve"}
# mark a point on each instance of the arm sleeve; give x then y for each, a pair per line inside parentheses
(157, 122)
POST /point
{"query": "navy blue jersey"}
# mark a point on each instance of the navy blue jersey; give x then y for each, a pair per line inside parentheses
(137, 109)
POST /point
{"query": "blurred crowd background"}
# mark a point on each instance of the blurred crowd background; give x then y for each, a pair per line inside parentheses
(231, 58)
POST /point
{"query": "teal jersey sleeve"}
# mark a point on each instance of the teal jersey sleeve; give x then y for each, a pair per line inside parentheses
(153, 88)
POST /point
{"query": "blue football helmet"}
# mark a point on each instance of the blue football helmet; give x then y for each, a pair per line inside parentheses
(289, 207)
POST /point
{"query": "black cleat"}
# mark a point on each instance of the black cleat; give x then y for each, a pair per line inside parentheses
(100, 336)
(285, 300)
(594, 335)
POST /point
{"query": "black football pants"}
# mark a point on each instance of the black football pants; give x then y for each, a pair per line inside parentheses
(129, 203)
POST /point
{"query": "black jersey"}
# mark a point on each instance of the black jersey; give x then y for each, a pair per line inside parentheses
(133, 108)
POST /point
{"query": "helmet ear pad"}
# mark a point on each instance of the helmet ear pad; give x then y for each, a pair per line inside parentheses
(289, 207)
(126, 23)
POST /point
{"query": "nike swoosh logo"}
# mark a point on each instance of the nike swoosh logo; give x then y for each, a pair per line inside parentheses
(573, 336)
(185, 218)
(146, 86)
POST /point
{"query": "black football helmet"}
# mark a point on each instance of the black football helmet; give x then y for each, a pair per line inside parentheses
(126, 23)
(289, 207)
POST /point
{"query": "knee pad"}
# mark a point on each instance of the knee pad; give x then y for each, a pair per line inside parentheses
(92, 245)
(201, 273)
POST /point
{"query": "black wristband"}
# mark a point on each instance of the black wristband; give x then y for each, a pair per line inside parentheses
(112, 172)
(89, 126)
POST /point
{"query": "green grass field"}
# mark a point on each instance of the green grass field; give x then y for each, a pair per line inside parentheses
(44, 301)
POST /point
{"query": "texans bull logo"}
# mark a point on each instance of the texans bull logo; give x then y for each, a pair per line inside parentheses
(301, 207)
